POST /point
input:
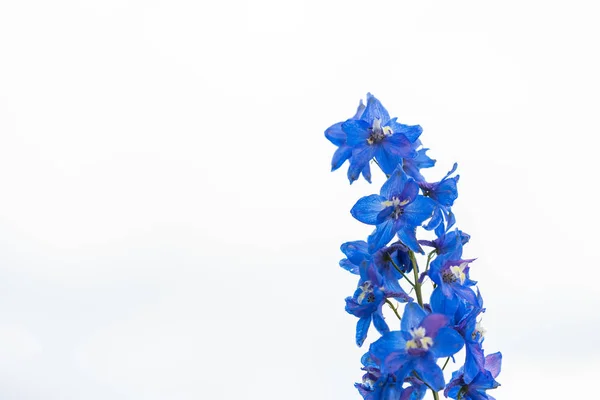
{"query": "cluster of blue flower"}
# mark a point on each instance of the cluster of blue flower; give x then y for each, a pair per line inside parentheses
(403, 364)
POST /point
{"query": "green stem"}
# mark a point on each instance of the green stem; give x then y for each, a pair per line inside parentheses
(429, 260)
(417, 285)
(393, 308)
(435, 394)
(403, 274)
(446, 363)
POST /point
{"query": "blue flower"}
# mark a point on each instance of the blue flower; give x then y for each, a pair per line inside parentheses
(446, 242)
(473, 333)
(367, 303)
(398, 209)
(378, 386)
(375, 135)
(444, 193)
(476, 390)
(358, 258)
(415, 348)
(451, 275)
(338, 137)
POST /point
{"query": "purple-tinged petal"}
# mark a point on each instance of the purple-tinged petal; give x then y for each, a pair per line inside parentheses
(368, 208)
(433, 323)
(493, 363)
(447, 342)
(413, 315)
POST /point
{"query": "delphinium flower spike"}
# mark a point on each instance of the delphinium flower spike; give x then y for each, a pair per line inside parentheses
(410, 356)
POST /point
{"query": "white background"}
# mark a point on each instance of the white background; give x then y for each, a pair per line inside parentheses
(169, 227)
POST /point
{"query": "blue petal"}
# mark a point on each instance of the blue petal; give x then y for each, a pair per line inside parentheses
(418, 211)
(446, 192)
(408, 236)
(362, 327)
(366, 172)
(430, 373)
(447, 342)
(399, 145)
(412, 132)
(368, 208)
(381, 236)
(412, 317)
(359, 161)
(380, 323)
(359, 110)
(436, 220)
(388, 161)
(442, 304)
(357, 132)
(390, 342)
(335, 134)
(349, 266)
(375, 110)
(356, 251)
(340, 156)
(474, 361)
(395, 184)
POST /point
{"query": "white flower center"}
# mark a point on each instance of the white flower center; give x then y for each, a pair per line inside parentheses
(419, 340)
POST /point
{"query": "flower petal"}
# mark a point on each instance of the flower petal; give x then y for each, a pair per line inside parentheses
(412, 317)
(493, 363)
(381, 236)
(447, 342)
(380, 323)
(395, 184)
(433, 323)
(375, 110)
(412, 132)
(368, 208)
(357, 132)
(362, 327)
(340, 156)
(388, 161)
(430, 373)
(335, 134)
